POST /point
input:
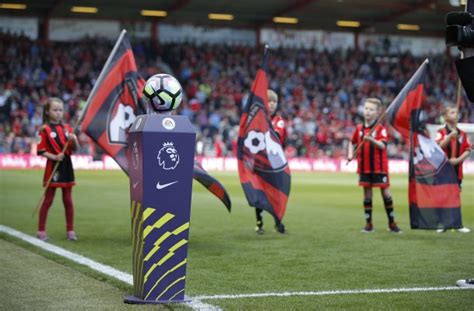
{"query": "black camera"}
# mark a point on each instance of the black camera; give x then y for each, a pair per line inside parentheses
(459, 30)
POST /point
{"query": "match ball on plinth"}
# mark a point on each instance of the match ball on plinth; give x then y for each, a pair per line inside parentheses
(164, 92)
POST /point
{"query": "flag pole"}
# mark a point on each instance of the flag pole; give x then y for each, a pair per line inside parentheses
(458, 95)
(265, 53)
(80, 119)
(263, 65)
(380, 119)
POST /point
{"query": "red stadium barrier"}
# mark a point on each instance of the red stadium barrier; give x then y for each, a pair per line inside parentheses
(18, 161)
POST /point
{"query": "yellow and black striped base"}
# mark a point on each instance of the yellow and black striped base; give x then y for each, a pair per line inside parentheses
(159, 242)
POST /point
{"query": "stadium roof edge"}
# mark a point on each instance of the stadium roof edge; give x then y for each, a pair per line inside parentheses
(376, 16)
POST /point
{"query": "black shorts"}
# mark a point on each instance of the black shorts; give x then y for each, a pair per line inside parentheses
(374, 180)
(64, 175)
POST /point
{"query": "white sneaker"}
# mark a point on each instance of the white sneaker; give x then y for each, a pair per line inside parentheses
(464, 230)
(441, 230)
(42, 236)
(71, 236)
(465, 283)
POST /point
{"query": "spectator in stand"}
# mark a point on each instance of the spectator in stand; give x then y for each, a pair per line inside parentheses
(216, 80)
(219, 146)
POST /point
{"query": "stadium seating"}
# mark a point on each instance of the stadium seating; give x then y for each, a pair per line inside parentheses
(321, 93)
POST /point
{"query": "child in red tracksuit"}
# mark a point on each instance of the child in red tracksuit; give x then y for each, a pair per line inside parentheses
(455, 145)
(53, 137)
(372, 163)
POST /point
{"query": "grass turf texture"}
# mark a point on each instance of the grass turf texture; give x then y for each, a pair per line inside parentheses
(323, 250)
(32, 282)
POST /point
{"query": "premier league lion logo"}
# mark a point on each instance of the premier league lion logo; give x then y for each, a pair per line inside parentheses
(168, 157)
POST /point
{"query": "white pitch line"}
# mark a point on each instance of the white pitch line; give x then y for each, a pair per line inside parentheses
(333, 292)
(195, 303)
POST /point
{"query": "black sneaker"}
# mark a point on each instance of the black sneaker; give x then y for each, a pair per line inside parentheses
(259, 228)
(368, 228)
(280, 228)
(394, 228)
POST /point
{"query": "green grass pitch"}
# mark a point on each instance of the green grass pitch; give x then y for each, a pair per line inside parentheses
(322, 251)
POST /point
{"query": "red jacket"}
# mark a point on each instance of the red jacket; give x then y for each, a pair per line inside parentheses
(279, 125)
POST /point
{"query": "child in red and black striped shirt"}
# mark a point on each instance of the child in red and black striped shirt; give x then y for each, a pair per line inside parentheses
(372, 163)
(53, 137)
(455, 145)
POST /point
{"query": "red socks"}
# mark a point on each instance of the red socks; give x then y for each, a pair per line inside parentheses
(68, 206)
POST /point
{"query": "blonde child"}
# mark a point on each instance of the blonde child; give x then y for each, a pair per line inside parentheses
(54, 135)
(372, 163)
(279, 125)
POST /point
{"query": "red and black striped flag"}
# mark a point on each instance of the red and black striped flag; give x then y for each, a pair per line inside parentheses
(114, 103)
(263, 168)
(113, 106)
(407, 104)
(212, 184)
(433, 191)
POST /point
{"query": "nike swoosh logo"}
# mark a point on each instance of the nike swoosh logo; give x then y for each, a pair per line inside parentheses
(163, 186)
(135, 184)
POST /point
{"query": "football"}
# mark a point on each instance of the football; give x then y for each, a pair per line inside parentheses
(163, 92)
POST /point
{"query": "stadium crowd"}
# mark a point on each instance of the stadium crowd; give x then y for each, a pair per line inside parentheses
(321, 92)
